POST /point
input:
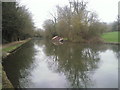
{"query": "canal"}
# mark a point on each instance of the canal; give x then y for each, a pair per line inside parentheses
(42, 64)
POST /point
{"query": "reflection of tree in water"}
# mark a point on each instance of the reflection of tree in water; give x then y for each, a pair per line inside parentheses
(116, 50)
(112, 47)
(18, 66)
(75, 61)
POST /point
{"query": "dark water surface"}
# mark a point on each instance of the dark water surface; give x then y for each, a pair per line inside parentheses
(41, 64)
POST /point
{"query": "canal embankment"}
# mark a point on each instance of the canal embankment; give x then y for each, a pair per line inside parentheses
(8, 49)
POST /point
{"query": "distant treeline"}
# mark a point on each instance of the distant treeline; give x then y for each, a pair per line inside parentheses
(16, 22)
(72, 22)
(114, 26)
(75, 23)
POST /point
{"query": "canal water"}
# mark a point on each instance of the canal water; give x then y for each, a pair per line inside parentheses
(42, 64)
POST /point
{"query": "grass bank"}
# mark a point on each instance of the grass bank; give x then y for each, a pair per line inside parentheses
(7, 49)
(111, 37)
(10, 47)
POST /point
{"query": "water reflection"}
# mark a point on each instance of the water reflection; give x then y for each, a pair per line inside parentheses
(75, 61)
(18, 66)
(42, 64)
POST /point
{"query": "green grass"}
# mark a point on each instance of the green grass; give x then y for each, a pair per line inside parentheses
(8, 49)
(111, 36)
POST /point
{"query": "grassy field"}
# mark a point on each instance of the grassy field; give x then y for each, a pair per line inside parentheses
(111, 37)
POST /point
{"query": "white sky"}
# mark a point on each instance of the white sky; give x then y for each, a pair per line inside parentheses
(107, 10)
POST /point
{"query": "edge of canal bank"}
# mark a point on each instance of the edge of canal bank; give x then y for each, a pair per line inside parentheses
(114, 43)
(10, 48)
(7, 50)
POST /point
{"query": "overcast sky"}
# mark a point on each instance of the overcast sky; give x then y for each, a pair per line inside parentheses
(107, 10)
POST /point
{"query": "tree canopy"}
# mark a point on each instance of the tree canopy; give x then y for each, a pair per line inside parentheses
(16, 22)
(75, 22)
